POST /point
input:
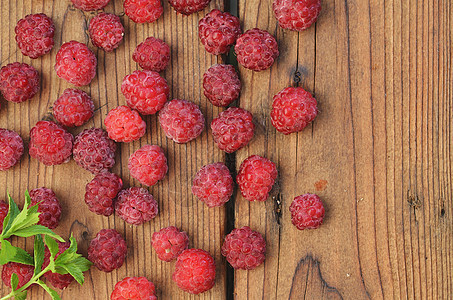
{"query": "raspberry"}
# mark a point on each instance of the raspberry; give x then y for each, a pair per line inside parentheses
(76, 63)
(107, 250)
(244, 248)
(221, 85)
(94, 150)
(100, 193)
(124, 124)
(148, 164)
(145, 91)
(89, 5)
(134, 288)
(256, 49)
(296, 14)
(60, 281)
(152, 54)
(48, 206)
(34, 35)
(181, 120)
(23, 272)
(4, 207)
(136, 206)
(19, 82)
(233, 129)
(293, 109)
(213, 184)
(50, 143)
(256, 177)
(141, 11)
(188, 7)
(169, 242)
(218, 31)
(11, 149)
(106, 31)
(307, 211)
(194, 271)
(73, 108)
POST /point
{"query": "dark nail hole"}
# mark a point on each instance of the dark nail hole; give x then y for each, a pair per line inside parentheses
(85, 235)
(442, 212)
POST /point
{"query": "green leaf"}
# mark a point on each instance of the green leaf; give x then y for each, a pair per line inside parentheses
(38, 250)
(14, 281)
(9, 253)
(21, 296)
(13, 211)
(75, 272)
(37, 229)
(27, 217)
(51, 292)
(52, 245)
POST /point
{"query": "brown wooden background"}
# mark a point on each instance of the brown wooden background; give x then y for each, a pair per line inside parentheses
(379, 153)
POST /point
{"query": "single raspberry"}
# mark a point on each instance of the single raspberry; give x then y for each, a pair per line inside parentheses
(11, 149)
(256, 177)
(134, 288)
(101, 192)
(233, 129)
(293, 109)
(145, 91)
(19, 82)
(141, 11)
(244, 248)
(136, 206)
(194, 271)
(152, 54)
(181, 120)
(124, 124)
(256, 49)
(4, 208)
(76, 63)
(218, 31)
(23, 272)
(48, 206)
(107, 250)
(188, 7)
(221, 85)
(50, 143)
(73, 108)
(307, 211)
(94, 150)
(213, 184)
(296, 14)
(169, 242)
(106, 31)
(148, 164)
(34, 35)
(89, 5)
(60, 281)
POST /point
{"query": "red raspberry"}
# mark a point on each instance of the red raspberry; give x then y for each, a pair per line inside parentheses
(23, 272)
(19, 82)
(134, 288)
(124, 124)
(169, 242)
(50, 143)
(256, 49)
(141, 11)
(60, 281)
(100, 193)
(233, 129)
(76, 63)
(244, 248)
(256, 177)
(213, 184)
(145, 91)
(181, 120)
(48, 206)
(307, 211)
(73, 108)
(34, 35)
(136, 206)
(4, 207)
(94, 150)
(296, 14)
(221, 85)
(106, 31)
(293, 109)
(152, 54)
(194, 271)
(148, 164)
(218, 31)
(107, 250)
(11, 149)
(188, 7)
(89, 5)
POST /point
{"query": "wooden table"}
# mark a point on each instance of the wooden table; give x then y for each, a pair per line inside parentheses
(378, 154)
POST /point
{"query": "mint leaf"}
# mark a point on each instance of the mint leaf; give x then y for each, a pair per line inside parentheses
(13, 211)
(52, 245)
(72, 262)
(51, 292)
(21, 296)
(14, 281)
(75, 272)
(27, 217)
(9, 253)
(37, 229)
(38, 250)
